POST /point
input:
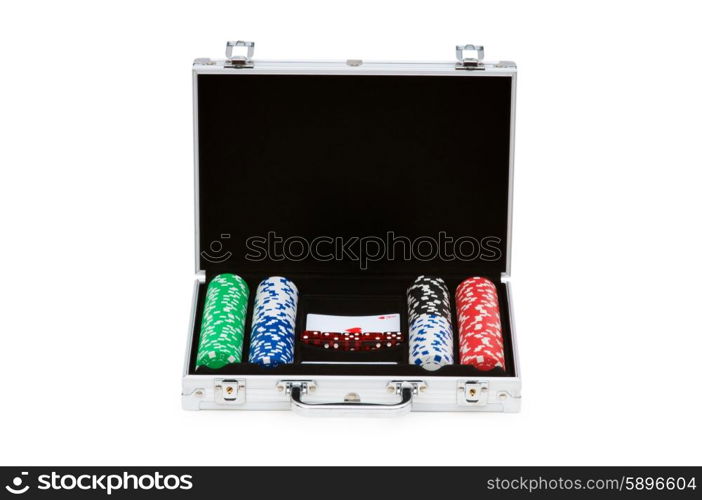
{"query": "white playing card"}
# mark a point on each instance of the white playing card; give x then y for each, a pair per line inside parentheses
(353, 324)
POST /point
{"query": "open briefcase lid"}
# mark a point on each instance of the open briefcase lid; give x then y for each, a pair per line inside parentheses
(353, 167)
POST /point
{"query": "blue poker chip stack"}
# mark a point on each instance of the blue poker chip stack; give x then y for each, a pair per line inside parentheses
(430, 330)
(273, 326)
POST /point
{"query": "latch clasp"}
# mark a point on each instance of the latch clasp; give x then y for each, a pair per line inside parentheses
(229, 391)
(473, 393)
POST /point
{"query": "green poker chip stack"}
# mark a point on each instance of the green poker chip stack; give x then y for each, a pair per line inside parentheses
(223, 322)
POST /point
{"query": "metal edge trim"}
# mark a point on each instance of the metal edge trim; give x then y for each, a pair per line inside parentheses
(196, 158)
(191, 327)
(515, 351)
(353, 65)
(294, 70)
(332, 72)
(510, 190)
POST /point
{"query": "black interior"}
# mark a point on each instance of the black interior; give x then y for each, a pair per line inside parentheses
(353, 156)
(348, 296)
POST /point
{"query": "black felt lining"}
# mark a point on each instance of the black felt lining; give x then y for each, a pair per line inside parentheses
(352, 156)
(354, 295)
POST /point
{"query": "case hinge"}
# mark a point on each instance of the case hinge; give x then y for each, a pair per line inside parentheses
(239, 60)
(470, 63)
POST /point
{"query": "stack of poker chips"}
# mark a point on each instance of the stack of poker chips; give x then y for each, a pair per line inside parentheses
(430, 331)
(479, 327)
(273, 327)
(223, 321)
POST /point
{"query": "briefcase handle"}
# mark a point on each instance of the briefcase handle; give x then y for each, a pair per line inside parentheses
(298, 388)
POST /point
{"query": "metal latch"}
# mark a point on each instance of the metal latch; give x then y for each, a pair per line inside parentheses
(239, 60)
(228, 391)
(473, 393)
(470, 62)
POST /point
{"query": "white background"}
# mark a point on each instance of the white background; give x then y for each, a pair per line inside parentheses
(96, 196)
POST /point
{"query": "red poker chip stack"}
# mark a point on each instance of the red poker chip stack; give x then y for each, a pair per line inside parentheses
(479, 327)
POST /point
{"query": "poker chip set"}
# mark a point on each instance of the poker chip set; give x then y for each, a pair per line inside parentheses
(223, 320)
(430, 329)
(353, 189)
(480, 329)
(272, 341)
(273, 329)
(272, 338)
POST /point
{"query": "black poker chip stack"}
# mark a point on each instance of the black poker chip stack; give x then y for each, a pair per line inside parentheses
(430, 328)
(428, 295)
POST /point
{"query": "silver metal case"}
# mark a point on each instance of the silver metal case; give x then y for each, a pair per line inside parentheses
(356, 394)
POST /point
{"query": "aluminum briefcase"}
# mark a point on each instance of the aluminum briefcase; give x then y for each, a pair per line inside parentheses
(351, 178)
